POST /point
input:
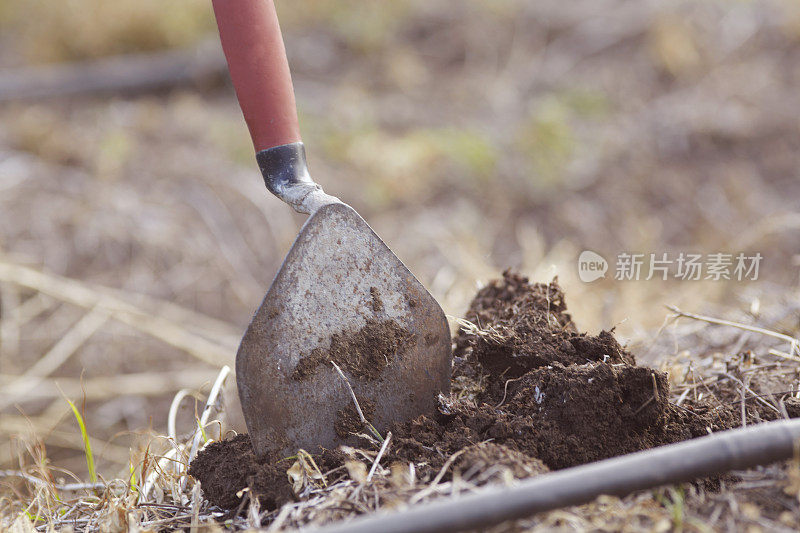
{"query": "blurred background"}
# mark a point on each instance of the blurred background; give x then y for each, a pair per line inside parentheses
(137, 238)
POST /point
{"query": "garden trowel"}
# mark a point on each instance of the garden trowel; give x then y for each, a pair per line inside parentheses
(341, 300)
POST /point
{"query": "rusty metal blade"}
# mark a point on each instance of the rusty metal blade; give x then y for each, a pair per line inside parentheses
(338, 277)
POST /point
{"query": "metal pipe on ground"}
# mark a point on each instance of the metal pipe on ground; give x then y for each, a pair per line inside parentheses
(674, 463)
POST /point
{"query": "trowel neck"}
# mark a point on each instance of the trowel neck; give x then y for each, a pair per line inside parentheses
(283, 166)
(286, 175)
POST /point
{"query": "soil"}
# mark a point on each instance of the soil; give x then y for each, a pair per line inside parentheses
(490, 455)
(347, 420)
(227, 467)
(529, 394)
(364, 353)
(377, 301)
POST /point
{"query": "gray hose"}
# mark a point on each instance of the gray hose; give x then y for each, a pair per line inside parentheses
(674, 463)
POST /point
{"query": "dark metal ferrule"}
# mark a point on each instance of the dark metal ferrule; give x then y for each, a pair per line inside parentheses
(283, 166)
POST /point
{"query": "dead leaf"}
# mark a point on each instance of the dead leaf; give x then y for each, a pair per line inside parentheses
(357, 471)
(400, 476)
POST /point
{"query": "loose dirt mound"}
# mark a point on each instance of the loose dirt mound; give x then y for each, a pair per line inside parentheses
(522, 326)
(530, 393)
(562, 415)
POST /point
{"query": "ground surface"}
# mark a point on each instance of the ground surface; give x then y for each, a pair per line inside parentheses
(136, 237)
(530, 394)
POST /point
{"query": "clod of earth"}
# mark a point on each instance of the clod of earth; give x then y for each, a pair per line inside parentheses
(363, 353)
(225, 468)
(529, 393)
(498, 459)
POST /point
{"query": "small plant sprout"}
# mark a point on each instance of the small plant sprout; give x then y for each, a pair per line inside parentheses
(87, 446)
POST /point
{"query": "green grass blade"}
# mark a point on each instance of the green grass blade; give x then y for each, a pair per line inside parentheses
(87, 447)
(202, 430)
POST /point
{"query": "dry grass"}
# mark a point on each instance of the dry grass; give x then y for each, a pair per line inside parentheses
(136, 237)
(158, 494)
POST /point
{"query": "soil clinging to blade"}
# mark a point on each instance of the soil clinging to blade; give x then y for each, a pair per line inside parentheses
(363, 353)
(347, 420)
(377, 301)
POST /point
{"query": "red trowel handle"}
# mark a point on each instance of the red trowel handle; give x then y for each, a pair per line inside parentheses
(252, 42)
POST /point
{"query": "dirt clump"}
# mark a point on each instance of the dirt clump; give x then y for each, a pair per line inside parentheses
(698, 418)
(498, 461)
(226, 467)
(522, 326)
(364, 353)
(563, 416)
(524, 377)
(588, 412)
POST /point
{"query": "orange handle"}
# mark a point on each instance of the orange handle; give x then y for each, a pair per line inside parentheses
(252, 42)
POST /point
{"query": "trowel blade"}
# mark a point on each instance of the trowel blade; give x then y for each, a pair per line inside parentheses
(338, 277)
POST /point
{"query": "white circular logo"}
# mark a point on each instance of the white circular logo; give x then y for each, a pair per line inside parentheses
(591, 266)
